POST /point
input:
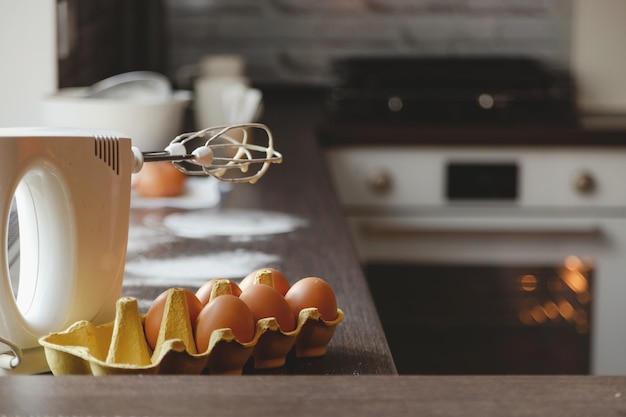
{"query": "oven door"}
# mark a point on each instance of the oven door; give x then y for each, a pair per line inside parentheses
(498, 294)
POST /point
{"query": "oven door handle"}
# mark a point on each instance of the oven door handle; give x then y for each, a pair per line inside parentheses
(390, 229)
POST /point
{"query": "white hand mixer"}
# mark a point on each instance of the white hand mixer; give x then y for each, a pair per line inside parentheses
(72, 192)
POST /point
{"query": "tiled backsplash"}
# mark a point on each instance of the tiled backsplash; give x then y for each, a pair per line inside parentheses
(295, 41)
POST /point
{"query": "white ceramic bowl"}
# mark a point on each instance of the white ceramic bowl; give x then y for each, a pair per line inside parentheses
(151, 124)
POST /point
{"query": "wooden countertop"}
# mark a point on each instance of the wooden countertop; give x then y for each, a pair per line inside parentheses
(271, 395)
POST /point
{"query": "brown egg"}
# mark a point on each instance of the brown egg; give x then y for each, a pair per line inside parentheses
(312, 292)
(224, 312)
(159, 179)
(280, 282)
(204, 292)
(264, 301)
(154, 315)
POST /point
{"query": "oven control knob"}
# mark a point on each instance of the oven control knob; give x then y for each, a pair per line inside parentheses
(585, 183)
(379, 181)
(395, 104)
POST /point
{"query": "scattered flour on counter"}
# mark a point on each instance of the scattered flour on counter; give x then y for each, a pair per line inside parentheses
(142, 238)
(193, 271)
(237, 223)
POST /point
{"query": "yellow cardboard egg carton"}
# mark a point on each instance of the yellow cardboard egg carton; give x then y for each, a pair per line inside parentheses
(120, 346)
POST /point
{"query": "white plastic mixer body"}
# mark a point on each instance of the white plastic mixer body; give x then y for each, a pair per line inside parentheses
(72, 191)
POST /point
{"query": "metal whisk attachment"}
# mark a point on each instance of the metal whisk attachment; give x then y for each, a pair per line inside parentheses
(236, 153)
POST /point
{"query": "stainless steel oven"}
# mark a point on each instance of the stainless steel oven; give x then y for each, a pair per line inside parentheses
(492, 260)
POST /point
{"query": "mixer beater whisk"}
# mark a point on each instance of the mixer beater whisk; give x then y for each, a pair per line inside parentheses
(234, 153)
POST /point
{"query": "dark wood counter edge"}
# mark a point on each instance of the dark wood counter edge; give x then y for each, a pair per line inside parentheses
(314, 396)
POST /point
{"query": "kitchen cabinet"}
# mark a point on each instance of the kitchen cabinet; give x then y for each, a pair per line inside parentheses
(98, 39)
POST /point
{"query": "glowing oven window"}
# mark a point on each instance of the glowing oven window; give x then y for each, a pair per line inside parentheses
(566, 296)
(454, 319)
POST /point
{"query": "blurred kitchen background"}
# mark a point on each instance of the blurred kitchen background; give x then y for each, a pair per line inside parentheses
(62, 43)
(486, 200)
(294, 42)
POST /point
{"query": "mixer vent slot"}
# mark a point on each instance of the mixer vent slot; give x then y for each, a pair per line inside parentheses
(107, 149)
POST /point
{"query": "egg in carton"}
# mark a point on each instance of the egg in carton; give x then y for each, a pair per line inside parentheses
(310, 333)
(271, 344)
(315, 332)
(117, 347)
(120, 346)
(310, 338)
(226, 355)
(275, 323)
(314, 302)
